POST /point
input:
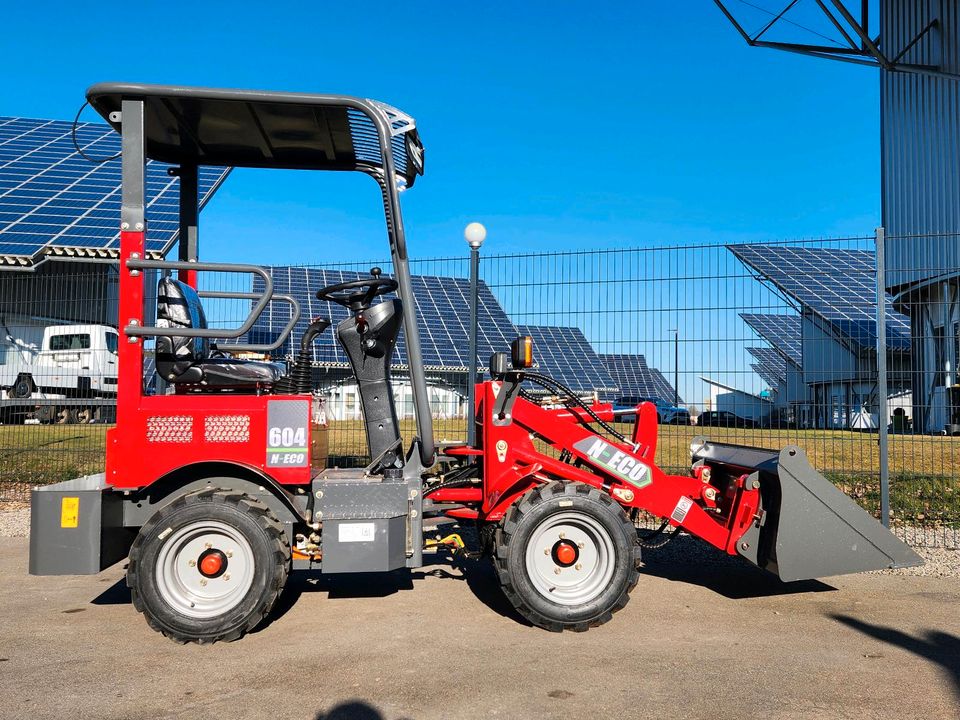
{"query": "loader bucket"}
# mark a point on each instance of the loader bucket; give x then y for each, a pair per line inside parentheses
(809, 528)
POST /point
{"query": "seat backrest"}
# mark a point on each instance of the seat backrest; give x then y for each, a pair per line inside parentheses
(178, 306)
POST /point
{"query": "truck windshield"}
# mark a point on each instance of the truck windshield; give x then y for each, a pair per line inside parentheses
(78, 341)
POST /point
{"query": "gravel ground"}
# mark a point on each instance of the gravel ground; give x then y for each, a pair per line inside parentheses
(15, 523)
(939, 561)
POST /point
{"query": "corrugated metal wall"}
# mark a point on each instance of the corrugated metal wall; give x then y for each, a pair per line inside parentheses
(920, 146)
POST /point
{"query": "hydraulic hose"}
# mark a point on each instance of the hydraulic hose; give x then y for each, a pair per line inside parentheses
(550, 384)
(299, 380)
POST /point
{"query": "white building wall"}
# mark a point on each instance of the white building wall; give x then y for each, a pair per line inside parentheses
(343, 402)
(825, 360)
(743, 405)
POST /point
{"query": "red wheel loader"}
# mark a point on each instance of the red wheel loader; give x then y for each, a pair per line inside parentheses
(209, 490)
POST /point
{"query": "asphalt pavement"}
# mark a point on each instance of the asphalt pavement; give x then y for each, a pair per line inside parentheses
(699, 639)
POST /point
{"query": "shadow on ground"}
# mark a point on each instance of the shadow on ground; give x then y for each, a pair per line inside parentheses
(687, 559)
(116, 594)
(351, 710)
(478, 574)
(936, 646)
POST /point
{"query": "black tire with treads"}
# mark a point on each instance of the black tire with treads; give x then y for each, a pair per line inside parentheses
(23, 387)
(516, 531)
(271, 556)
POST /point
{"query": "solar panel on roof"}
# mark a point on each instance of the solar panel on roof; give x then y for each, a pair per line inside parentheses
(772, 366)
(442, 305)
(565, 354)
(781, 331)
(54, 202)
(838, 285)
(635, 379)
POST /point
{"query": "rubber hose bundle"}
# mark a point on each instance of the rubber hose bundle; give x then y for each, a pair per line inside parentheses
(299, 380)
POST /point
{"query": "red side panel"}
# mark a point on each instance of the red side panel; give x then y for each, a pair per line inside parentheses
(270, 433)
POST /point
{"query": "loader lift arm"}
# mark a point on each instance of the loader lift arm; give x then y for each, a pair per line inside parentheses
(771, 508)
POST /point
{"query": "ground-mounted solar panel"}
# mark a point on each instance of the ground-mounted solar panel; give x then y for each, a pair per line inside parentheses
(635, 379)
(770, 365)
(565, 354)
(55, 203)
(663, 388)
(839, 285)
(783, 332)
(764, 373)
(443, 315)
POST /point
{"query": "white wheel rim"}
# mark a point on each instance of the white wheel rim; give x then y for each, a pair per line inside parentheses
(182, 585)
(588, 576)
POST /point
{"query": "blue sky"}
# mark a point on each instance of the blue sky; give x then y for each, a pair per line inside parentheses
(558, 125)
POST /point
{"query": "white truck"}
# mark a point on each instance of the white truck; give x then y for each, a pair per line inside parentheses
(73, 363)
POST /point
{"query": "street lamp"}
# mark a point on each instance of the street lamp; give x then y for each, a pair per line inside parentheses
(676, 364)
(474, 234)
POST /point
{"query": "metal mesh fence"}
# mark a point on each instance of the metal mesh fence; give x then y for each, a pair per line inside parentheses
(922, 275)
(765, 344)
(58, 344)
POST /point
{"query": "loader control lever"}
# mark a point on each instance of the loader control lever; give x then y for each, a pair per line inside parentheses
(358, 294)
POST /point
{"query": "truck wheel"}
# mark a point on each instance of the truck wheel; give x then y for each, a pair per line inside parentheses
(209, 566)
(567, 556)
(22, 387)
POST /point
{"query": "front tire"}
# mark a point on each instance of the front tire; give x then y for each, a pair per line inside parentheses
(567, 556)
(209, 566)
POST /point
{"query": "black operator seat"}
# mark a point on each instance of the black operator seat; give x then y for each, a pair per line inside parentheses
(191, 361)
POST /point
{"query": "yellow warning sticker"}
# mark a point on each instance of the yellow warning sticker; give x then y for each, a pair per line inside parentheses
(69, 512)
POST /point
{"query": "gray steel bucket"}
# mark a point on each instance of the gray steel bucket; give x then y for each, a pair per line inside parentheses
(809, 528)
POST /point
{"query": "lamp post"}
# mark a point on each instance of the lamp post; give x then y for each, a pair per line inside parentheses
(474, 234)
(676, 365)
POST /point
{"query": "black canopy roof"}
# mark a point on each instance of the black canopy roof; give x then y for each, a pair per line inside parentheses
(253, 128)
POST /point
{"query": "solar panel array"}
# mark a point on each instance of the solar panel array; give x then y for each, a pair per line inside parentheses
(781, 331)
(442, 317)
(838, 285)
(54, 202)
(565, 354)
(770, 365)
(635, 378)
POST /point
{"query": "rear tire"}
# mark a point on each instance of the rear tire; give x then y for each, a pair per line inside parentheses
(167, 577)
(567, 556)
(22, 388)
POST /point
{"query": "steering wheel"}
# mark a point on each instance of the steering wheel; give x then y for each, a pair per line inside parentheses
(358, 294)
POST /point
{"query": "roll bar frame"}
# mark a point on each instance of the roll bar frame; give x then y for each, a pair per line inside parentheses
(263, 299)
(131, 121)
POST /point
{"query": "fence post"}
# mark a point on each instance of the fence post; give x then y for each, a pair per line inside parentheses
(882, 418)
